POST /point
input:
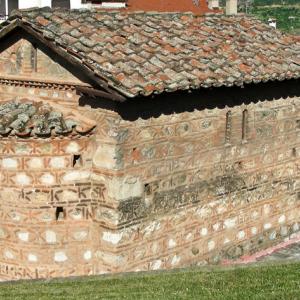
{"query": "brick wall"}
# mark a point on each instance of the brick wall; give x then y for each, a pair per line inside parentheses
(201, 186)
(175, 190)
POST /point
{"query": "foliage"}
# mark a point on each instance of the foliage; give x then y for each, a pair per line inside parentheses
(288, 18)
(276, 2)
(263, 282)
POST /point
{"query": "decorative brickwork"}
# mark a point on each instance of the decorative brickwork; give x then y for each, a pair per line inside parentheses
(113, 195)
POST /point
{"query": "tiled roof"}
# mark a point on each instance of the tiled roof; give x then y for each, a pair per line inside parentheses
(144, 53)
(25, 119)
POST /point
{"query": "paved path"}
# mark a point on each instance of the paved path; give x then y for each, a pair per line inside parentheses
(291, 252)
(284, 251)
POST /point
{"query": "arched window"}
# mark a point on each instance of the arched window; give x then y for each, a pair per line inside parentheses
(61, 3)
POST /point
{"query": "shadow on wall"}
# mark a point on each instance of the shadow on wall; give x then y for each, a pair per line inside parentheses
(178, 102)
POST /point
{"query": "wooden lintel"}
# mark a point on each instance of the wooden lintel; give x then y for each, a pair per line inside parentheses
(98, 93)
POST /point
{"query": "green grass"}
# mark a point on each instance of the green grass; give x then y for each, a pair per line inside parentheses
(258, 282)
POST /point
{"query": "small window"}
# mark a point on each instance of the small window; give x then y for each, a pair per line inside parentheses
(34, 58)
(147, 189)
(77, 160)
(59, 213)
(245, 125)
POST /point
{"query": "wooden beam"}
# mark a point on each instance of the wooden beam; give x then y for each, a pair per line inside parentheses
(98, 93)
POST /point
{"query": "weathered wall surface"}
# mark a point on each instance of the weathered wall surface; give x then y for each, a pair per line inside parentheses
(180, 189)
(217, 184)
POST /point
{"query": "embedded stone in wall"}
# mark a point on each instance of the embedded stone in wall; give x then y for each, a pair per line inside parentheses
(113, 238)
(10, 163)
(105, 157)
(50, 237)
(60, 256)
(125, 187)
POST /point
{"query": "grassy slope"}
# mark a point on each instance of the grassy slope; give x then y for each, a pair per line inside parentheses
(267, 282)
(280, 10)
(282, 15)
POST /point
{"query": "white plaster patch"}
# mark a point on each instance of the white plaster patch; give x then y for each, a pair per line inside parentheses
(23, 236)
(281, 219)
(32, 258)
(46, 217)
(189, 236)
(267, 209)
(221, 209)
(204, 231)
(175, 260)
(253, 230)
(226, 241)
(47, 179)
(211, 245)
(267, 226)
(8, 254)
(153, 226)
(76, 214)
(204, 212)
(113, 238)
(50, 237)
(2, 233)
(125, 187)
(241, 234)
(73, 147)
(60, 256)
(273, 235)
(171, 243)
(216, 226)
(230, 223)
(155, 247)
(36, 163)
(9, 163)
(254, 214)
(57, 162)
(76, 175)
(87, 255)
(15, 216)
(296, 227)
(69, 95)
(80, 235)
(22, 179)
(155, 265)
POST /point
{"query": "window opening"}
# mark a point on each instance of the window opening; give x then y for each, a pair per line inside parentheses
(60, 213)
(76, 160)
(245, 125)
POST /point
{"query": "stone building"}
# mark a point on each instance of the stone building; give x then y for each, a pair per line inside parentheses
(138, 141)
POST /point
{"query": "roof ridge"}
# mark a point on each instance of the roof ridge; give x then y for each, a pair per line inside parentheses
(141, 53)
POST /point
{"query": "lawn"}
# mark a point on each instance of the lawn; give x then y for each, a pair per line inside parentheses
(255, 282)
